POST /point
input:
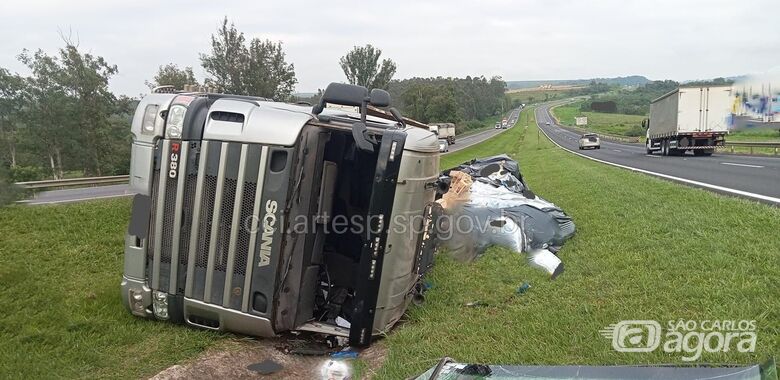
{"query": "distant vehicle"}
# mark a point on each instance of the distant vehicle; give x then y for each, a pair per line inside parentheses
(547, 123)
(498, 125)
(590, 141)
(689, 119)
(444, 131)
(503, 123)
(444, 146)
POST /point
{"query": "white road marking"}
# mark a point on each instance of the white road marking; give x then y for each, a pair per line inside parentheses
(650, 155)
(617, 150)
(745, 165)
(673, 178)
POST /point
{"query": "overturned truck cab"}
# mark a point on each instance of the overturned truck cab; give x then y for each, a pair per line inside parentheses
(261, 217)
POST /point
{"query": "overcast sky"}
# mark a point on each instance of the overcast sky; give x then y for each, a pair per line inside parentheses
(518, 40)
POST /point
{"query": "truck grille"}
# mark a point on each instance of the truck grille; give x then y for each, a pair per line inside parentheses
(202, 231)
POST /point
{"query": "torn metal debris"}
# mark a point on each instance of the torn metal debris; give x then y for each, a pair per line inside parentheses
(486, 202)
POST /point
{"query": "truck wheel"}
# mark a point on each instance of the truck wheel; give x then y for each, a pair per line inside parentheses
(703, 152)
(664, 147)
(647, 147)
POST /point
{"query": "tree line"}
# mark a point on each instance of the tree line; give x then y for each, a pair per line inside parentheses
(454, 100)
(634, 101)
(61, 119)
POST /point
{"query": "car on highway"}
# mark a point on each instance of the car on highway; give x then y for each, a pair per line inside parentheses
(444, 146)
(590, 141)
(547, 123)
(498, 125)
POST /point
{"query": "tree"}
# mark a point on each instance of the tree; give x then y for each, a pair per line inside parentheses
(268, 74)
(68, 106)
(11, 108)
(361, 66)
(259, 70)
(227, 61)
(85, 78)
(48, 110)
(172, 75)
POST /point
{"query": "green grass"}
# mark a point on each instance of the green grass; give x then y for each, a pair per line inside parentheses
(754, 135)
(644, 249)
(60, 268)
(533, 96)
(609, 123)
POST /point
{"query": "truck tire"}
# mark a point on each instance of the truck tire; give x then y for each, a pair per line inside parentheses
(647, 147)
(664, 147)
(703, 152)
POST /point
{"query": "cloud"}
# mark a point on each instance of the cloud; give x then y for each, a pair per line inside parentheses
(531, 39)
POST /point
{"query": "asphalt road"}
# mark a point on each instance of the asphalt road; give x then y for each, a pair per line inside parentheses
(467, 141)
(114, 191)
(752, 177)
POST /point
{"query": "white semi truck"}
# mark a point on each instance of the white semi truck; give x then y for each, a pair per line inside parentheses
(689, 119)
(444, 131)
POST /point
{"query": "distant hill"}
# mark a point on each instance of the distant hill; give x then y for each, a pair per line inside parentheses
(633, 80)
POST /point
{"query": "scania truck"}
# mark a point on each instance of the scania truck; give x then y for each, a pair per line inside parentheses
(689, 119)
(262, 217)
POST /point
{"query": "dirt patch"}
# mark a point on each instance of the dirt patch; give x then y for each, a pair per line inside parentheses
(232, 359)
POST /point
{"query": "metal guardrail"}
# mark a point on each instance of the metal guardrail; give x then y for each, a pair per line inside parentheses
(69, 182)
(753, 144)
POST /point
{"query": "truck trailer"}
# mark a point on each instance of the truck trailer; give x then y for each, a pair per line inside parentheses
(689, 119)
(444, 131)
(261, 217)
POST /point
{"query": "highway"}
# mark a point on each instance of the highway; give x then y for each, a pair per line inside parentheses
(467, 141)
(115, 191)
(752, 177)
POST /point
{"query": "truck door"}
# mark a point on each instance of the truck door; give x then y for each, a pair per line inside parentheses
(378, 219)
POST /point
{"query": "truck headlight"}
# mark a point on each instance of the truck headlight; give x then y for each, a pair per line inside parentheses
(175, 121)
(150, 116)
(136, 300)
(160, 304)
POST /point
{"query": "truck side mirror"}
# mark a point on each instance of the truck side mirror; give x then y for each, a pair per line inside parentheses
(379, 98)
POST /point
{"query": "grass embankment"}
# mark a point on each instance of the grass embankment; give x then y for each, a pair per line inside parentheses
(60, 268)
(538, 95)
(644, 249)
(609, 123)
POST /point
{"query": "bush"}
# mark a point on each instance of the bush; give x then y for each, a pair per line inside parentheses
(26, 173)
(8, 191)
(636, 131)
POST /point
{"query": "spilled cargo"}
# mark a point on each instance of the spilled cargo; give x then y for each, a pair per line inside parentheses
(487, 203)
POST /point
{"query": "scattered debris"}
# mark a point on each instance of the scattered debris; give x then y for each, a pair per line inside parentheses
(486, 202)
(523, 288)
(341, 322)
(265, 367)
(477, 304)
(346, 353)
